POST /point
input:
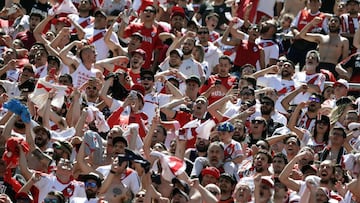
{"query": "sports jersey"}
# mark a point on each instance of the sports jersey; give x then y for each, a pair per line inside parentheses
(150, 41)
(349, 24)
(353, 63)
(299, 78)
(48, 183)
(188, 67)
(81, 75)
(305, 122)
(212, 54)
(96, 37)
(87, 22)
(227, 82)
(247, 53)
(232, 150)
(309, 140)
(271, 49)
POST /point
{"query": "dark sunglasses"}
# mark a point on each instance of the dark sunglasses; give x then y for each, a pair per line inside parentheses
(314, 99)
(322, 122)
(146, 78)
(257, 121)
(92, 185)
(203, 32)
(150, 10)
(89, 88)
(140, 195)
(214, 192)
(267, 103)
(48, 200)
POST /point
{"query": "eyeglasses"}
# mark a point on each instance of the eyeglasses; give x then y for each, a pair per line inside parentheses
(261, 146)
(140, 195)
(257, 121)
(150, 10)
(203, 32)
(89, 88)
(267, 103)
(147, 78)
(90, 184)
(48, 200)
(314, 99)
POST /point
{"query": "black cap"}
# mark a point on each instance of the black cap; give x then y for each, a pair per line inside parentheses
(178, 191)
(64, 145)
(91, 176)
(195, 79)
(228, 177)
(99, 11)
(119, 139)
(28, 85)
(267, 98)
(54, 58)
(147, 72)
(182, 183)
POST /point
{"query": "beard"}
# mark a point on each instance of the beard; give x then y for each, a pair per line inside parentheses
(40, 142)
(265, 111)
(259, 169)
(187, 52)
(90, 194)
(334, 30)
(202, 148)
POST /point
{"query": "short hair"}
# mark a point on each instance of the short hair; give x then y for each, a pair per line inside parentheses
(59, 195)
(266, 153)
(86, 47)
(281, 156)
(67, 76)
(225, 57)
(298, 143)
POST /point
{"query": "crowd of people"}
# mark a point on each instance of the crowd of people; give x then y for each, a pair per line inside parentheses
(181, 101)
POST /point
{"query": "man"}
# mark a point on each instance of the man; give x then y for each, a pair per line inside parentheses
(336, 150)
(350, 22)
(273, 118)
(332, 46)
(27, 37)
(84, 19)
(81, 71)
(9, 69)
(212, 53)
(349, 68)
(201, 147)
(95, 35)
(150, 32)
(278, 77)
(217, 85)
(177, 19)
(40, 63)
(300, 47)
(271, 49)
(227, 185)
(209, 175)
(189, 65)
(92, 182)
(279, 162)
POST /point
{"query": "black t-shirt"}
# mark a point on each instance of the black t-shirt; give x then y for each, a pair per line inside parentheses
(27, 4)
(41, 8)
(6, 188)
(354, 64)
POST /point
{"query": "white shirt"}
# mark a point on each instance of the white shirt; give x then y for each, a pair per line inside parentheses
(271, 49)
(100, 45)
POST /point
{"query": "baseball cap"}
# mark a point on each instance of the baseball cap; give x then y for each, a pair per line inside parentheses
(54, 58)
(64, 145)
(178, 191)
(101, 12)
(182, 183)
(226, 127)
(211, 171)
(119, 139)
(228, 177)
(138, 35)
(177, 11)
(195, 79)
(341, 82)
(147, 72)
(139, 51)
(90, 176)
(178, 52)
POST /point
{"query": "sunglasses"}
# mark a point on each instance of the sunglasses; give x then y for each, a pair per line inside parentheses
(140, 195)
(257, 121)
(48, 200)
(267, 103)
(147, 78)
(90, 184)
(203, 32)
(321, 122)
(150, 11)
(314, 99)
(89, 88)
(214, 192)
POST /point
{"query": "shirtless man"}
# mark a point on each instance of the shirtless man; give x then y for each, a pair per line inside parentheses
(331, 46)
(293, 7)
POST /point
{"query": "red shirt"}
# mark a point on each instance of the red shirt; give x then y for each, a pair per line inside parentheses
(247, 53)
(150, 42)
(228, 82)
(27, 38)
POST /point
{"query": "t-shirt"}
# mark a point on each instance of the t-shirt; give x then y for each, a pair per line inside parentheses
(353, 63)
(96, 36)
(228, 82)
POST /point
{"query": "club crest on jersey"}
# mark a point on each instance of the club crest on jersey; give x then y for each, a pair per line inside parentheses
(69, 191)
(255, 49)
(153, 34)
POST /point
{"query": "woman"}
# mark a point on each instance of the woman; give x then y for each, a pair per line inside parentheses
(316, 140)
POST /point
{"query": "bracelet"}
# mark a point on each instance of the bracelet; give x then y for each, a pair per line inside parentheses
(111, 171)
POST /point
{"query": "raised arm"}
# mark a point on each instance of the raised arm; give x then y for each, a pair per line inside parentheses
(311, 37)
(73, 64)
(289, 97)
(168, 108)
(293, 118)
(356, 41)
(274, 69)
(234, 41)
(38, 31)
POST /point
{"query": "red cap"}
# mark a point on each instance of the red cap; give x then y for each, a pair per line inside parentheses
(61, 19)
(141, 52)
(138, 88)
(211, 171)
(177, 11)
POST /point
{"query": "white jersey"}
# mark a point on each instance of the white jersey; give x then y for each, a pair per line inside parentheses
(232, 150)
(41, 71)
(212, 55)
(48, 183)
(87, 22)
(303, 78)
(271, 49)
(96, 37)
(81, 75)
(85, 200)
(188, 67)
